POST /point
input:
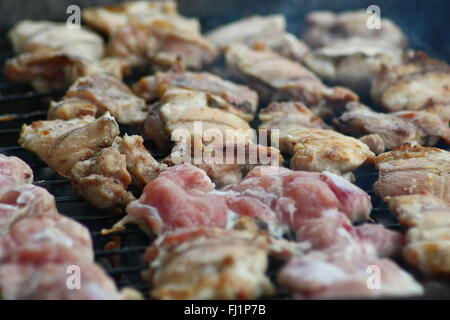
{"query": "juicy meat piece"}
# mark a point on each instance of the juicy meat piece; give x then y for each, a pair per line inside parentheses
(419, 83)
(260, 30)
(179, 198)
(353, 62)
(396, 129)
(234, 267)
(326, 27)
(160, 43)
(109, 18)
(49, 282)
(182, 112)
(61, 144)
(221, 93)
(325, 150)
(102, 93)
(414, 170)
(225, 163)
(141, 165)
(277, 78)
(324, 276)
(13, 172)
(103, 180)
(374, 142)
(33, 36)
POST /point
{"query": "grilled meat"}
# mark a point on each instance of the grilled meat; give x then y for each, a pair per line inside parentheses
(13, 172)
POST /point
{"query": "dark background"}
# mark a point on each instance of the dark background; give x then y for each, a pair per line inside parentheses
(426, 22)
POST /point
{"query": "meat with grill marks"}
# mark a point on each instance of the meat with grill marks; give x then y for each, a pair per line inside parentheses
(418, 84)
(395, 129)
(221, 93)
(277, 78)
(268, 30)
(94, 95)
(414, 170)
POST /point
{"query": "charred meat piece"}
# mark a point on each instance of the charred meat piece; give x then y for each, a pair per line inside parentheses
(234, 267)
(103, 180)
(326, 27)
(277, 78)
(160, 43)
(222, 94)
(414, 170)
(396, 129)
(98, 94)
(262, 30)
(419, 83)
(61, 144)
(109, 18)
(353, 62)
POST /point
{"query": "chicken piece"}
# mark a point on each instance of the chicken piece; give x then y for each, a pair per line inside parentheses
(326, 27)
(234, 267)
(160, 43)
(61, 144)
(277, 78)
(320, 275)
(353, 62)
(141, 165)
(263, 30)
(102, 93)
(396, 129)
(221, 93)
(33, 36)
(109, 19)
(103, 180)
(183, 113)
(374, 142)
(225, 163)
(419, 83)
(325, 150)
(414, 170)
(13, 172)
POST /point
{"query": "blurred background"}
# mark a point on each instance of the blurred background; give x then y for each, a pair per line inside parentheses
(426, 22)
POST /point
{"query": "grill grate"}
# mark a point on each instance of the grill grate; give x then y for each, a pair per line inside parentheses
(19, 105)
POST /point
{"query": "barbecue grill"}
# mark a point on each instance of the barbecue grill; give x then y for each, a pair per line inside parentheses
(19, 105)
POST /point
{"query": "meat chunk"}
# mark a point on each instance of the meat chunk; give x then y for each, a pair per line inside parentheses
(222, 94)
(326, 27)
(277, 78)
(374, 142)
(396, 129)
(13, 172)
(61, 143)
(234, 267)
(141, 165)
(159, 43)
(353, 62)
(419, 83)
(262, 30)
(109, 19)
(325, 150)
(98, 94)
(414, 170)
(103, 180)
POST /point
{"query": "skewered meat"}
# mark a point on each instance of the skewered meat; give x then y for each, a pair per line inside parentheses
(325, 150)
(109, 18)
(326, 27)
(419, 83)
(234, 267)
(44, 36)
(396, 129)
(103, 180)
(160, 43)
(94, 95)
(353, 62)
(61, 144)
(414, 170)
(266, 30)
(222, 94)
(277, 78)
(180, 110)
